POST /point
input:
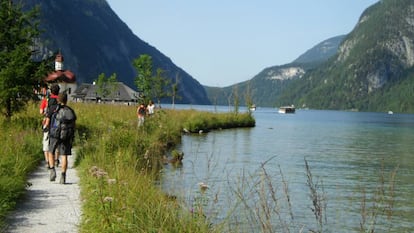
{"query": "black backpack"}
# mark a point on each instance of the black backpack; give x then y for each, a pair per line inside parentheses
(62, 123)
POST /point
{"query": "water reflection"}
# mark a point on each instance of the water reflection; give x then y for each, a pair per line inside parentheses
(355, 155)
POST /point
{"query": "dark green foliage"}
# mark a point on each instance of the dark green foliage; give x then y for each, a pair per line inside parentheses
(371, 71)
(94, 40)
(264, 89)
(204, 121)
(345, 82)
(107, 86)
(143, 81)
(17, 70)
(152, 85)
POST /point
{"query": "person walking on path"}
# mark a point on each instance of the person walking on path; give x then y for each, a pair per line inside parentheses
(62, 134)
(141, 112)
(45, 140)
(52, 105)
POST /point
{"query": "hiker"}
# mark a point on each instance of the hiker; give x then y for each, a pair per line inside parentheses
(62, 134)
(150, 108)
(45, 140)
(141, 111)
(52, 105)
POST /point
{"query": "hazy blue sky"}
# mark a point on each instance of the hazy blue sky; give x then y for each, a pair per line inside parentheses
(221, 42)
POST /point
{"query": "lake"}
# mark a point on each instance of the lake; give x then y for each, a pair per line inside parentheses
(360, 172)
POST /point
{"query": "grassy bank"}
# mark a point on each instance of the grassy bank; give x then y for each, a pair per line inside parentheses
(119, 163)
(20, 153)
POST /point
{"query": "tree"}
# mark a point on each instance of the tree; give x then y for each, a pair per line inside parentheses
(248, 98)
(149, 85)
(236, 99)
(18, 31)
(174, 88)
(160, 82)
(143, 65)
(106, 86)
(112, 83)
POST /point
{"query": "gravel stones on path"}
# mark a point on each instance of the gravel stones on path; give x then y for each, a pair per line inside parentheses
(48, 207)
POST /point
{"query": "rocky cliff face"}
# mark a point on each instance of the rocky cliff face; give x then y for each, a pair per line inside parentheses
(267, 86)
(384, 35)
(94, 40)
(285, 73)
(373, 69)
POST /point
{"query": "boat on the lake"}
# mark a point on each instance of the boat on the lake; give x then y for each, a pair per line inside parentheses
(252, 107)
(287, 109)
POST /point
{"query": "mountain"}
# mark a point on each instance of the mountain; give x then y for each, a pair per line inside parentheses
(322, 51)
(94, 40)
(373, 69)
(266, 87)
(370, 69)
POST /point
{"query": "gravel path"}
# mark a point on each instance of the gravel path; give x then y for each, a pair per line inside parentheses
(48, 207)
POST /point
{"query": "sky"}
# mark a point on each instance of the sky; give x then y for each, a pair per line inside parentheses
(224, 42)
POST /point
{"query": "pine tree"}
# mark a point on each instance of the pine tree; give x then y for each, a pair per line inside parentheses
(18, 31)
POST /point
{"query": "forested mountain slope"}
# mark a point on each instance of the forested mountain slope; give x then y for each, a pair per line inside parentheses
(373, 69)
(266, 87)
(94, 40)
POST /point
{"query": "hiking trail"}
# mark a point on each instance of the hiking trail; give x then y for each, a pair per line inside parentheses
(48, 206)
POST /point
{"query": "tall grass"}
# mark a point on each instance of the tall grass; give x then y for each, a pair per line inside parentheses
(20, 153)
(121, 162)
(261, 202)
(120, 165)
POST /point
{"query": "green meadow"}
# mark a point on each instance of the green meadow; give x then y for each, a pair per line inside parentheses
(118, 164)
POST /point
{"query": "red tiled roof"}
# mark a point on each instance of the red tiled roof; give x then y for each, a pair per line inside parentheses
(61, 75)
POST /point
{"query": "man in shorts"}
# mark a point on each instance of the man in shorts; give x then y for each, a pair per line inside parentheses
(62, 146)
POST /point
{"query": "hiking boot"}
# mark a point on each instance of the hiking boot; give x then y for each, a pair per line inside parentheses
(63, 178)
(52, 174)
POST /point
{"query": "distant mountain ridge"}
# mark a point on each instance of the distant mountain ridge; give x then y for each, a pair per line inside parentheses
(266, 87)
(322, 51)
(94, 40)
(370, 69)
(373, 69)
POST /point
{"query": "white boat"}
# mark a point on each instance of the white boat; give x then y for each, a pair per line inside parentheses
(287, 109)
(253, 108)
(390, 112)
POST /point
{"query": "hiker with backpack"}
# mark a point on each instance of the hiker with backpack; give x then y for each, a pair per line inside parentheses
(62, 134)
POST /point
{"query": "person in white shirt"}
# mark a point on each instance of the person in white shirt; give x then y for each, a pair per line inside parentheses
(150, 108)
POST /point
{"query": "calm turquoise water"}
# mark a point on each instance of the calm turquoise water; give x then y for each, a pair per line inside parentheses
(352, 157)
